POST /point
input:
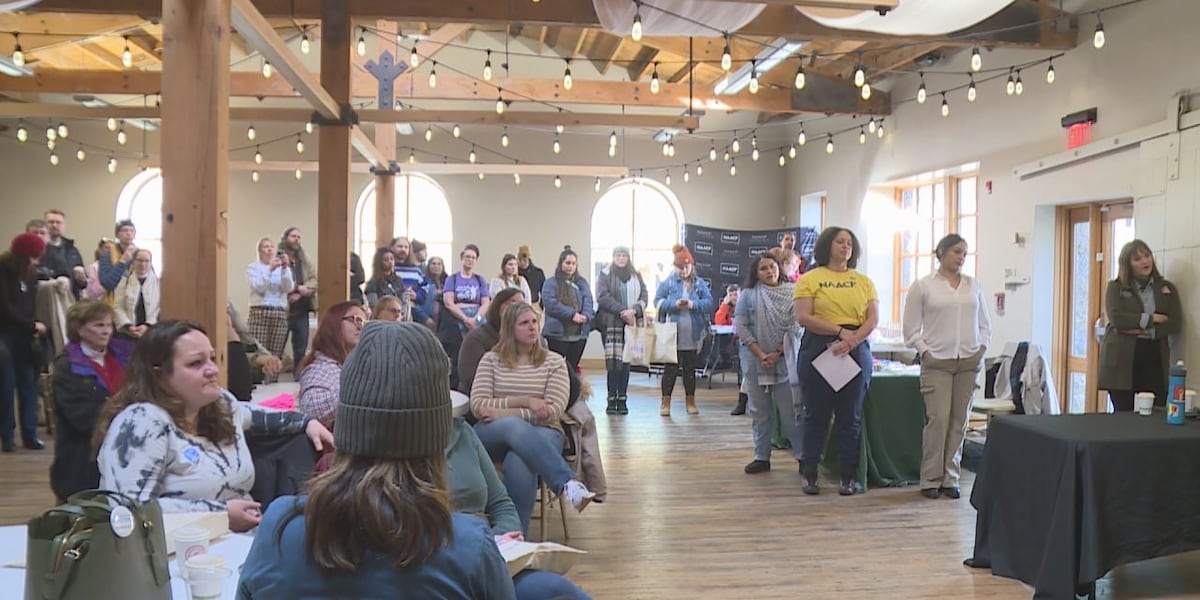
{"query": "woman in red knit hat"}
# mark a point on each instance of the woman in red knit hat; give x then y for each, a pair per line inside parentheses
(684, 299)
(18, 328)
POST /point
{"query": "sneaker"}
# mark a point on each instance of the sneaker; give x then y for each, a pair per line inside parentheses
(952, 492)
(931, 493)
(578, 494)
(849, 487)
(810, 486)
(758, 466)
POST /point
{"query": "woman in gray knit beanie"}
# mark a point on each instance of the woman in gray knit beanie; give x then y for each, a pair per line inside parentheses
(380, 517)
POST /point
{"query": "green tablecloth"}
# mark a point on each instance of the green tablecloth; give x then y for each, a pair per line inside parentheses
(892, 419)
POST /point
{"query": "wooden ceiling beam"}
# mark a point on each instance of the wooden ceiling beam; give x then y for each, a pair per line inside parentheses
(309, 166)
(427, 49)
(641, 62)
(102, 55)
(605, 50)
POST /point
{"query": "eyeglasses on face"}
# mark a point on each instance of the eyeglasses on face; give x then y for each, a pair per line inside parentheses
(358, 321)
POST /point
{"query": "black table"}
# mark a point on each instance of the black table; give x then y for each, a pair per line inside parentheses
(1061, 500)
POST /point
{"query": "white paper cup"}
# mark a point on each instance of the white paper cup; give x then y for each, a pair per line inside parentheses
(207, 583)
(1189, 398)
(1143, 403)
(190, 542)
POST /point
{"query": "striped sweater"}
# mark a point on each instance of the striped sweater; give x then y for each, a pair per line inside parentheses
(509, 390)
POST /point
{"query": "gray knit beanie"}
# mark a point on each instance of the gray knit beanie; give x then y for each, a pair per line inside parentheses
(395, 394)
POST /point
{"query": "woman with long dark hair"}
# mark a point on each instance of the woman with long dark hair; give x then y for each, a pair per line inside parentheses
(684, 299)
(379, 521)
(567, 298)
(173, 435)
(384, 281)
(620, 301)
(320, 371)
(1143, 310)
(764, 318)
(508, 277)
(18, 328)
(838, 308)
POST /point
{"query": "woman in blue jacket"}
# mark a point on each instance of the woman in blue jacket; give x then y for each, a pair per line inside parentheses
(685, 300)
(569, 313)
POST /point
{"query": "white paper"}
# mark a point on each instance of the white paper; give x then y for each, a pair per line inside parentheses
(837, 370)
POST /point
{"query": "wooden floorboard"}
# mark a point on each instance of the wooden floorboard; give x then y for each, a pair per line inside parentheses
(683, 521)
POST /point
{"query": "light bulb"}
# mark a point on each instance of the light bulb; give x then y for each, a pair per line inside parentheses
(699, 170)
(299, 145)
(504, 139)
(299, 174)
(976, 59)
(753, 82)
(471, 157)
(456, 131)
(754, 154)
(596, 186)
(612, 139)
(636, 31)
(1098, 37)
(62, 130)
(18, 57)
(654, 83)
(51, 145)
(126, 55)
(871, 125)
(516, 178)
(360, 47)
(308, 127)
(612, 151)
(251, 133)
(1011, 86)
(254, 176)
(568, 81)
(112, 165)
(800, 78)
(667, 180)
(1019, 87)
(862, 135)
(429, 133)
(111, 124)
(266, 69)
(921, 94)
(726, 57)
(481, 175)
(51, 133)
(737, 146)
(305, 44)
(557, 182)
(53, 159)
(22, 133)
(801, 139)
(257, 157)
(686, 177)
(860, 76)
(412, 157)
(559, 128)
(557, 146)
(80, 155)
(712, 153)
(945, 106)
(726, 157)
(664, 149)
(433, 75)
(879, 130)
(782, 159)
(500, 105)
(829, 145)
(1050, 73)
(121, 137)
(792, 151)
(865, 91)
(414, 59)
(671, 149)
(487, 67)
(971, 92)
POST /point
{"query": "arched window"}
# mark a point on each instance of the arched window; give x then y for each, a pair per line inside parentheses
(421, 212)
(643, 215)
(141, 202)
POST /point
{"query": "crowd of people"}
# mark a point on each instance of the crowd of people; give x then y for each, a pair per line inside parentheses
(138, 408)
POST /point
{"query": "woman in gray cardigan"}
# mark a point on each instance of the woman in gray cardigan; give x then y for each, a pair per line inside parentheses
(620, 301)
(1143, 309)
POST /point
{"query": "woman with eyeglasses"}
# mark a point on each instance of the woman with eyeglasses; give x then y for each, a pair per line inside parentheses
(137, 297)
(321, 370)
(388, 308)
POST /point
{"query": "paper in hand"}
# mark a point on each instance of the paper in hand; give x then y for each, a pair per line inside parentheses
(837, 370)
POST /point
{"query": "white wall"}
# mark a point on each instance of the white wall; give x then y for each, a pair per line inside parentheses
(1130, 80)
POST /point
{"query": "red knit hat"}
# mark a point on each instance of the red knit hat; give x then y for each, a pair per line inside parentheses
(28, 244)
(682, 256)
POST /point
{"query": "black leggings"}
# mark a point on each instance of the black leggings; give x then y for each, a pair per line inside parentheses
(572, 351)
(687, 364)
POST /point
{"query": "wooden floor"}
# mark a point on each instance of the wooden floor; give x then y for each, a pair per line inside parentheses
(683, 521)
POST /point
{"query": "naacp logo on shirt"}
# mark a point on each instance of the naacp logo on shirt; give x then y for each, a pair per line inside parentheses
(191, 454)
(849, 284)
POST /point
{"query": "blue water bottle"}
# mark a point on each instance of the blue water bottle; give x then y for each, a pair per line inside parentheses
(1177, 394)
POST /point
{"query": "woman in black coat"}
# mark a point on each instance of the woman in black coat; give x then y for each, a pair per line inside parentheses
(18, 328)
(90, 369)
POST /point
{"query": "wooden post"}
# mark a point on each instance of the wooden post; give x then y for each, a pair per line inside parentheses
(195, 168)
(333, 195)
(385, 140)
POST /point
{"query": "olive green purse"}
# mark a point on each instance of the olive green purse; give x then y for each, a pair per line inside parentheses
(98, 545)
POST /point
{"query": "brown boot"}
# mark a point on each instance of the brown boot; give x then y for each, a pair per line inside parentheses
(665, 409)
(691, 405)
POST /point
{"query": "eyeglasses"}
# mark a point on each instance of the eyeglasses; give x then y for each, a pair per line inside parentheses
(358, 321)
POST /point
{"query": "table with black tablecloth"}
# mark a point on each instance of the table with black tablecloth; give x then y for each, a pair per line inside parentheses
(893, 417)
(1061, 500)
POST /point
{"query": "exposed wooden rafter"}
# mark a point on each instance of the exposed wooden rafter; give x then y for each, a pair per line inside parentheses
(290, 166)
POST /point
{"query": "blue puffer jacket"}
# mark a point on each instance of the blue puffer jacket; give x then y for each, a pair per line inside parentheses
(557, 313)
(669, 293)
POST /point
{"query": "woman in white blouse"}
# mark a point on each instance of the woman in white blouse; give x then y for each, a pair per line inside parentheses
(173, 435)
(946, 321)
(137, 297)
(508, 277)
(270, 281)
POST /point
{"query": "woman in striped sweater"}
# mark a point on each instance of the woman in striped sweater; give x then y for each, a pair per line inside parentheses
(519, 394)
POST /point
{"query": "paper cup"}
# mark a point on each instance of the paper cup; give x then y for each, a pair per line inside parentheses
(207, 583)
(1189, 399)
(190, 542)
(1143, 403)
(460, 403)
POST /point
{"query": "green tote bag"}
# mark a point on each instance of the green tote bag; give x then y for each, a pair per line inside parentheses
(100, 545)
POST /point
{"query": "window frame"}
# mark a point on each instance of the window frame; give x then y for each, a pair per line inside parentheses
(950, 215)
(128, 200)
(403, 185)
(602, 252)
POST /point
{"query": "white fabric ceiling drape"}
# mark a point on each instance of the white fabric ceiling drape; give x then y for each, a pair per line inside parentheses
(912, 17)
(703, 18)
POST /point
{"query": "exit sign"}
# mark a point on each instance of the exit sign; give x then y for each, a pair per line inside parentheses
(1079, 134)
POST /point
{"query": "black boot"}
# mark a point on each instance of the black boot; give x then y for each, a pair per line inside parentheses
(740, 409)
(622, 405)
(612, 406)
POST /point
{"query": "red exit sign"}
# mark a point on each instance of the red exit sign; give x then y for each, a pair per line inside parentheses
(1079, 134)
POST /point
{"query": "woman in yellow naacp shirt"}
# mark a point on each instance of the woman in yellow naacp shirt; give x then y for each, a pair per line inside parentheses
(838, 308)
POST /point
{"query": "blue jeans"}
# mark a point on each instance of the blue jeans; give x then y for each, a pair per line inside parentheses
(544, 585)
(822, 403)
(298, 327)
(18, 380)
(527, 452)
(762, 400)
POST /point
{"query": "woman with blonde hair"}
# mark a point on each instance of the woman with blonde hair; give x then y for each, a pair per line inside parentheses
(508, 277)
(518, 395)
(389, 308)
(271, 280)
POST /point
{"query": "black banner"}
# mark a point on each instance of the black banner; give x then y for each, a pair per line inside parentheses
(722, 255)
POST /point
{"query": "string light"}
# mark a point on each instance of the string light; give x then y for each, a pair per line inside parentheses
(557, 147)
(560, 127)
(879, 130)
(636, 31)
(726, 56)
(499, 104)
(791, 151)
(53, 159)
(361, 46)
(412, 157)
(516, 179)
(308, 127)
(612, 139)
(862, 135)
(568, 81)
(671, 148)
(829, 145)
(976, 59)
(865, 91)
(257, 156)
(921, 90)
(699, 169)
(251, 133)
(51, 144)
(612, 151)
(726, 157)
(481, 175)
(112, 164)
(1019, 87)
(266, 69)
(121, 137)
(1098, 37)
(111, 124)
(471, 157)
(971, 92)
(299, 174)
(557, 182)
(596, 186)
(429, 133)
(712, 152)
(800, 77)
(414, 59)
(504, 137)
(22, 133)
(665, 150)
(305, 45)
(667, 180)
(754, 145)
(736, 146)
(871, 125)
(1050, 72)
(254, 176)
(126, 55)
(299, 145)
(654, 83)
(62, 130)
(801, 139)
(782, 158)
(945, 106)
(51, 133)
(733, 169)
(1010, 87)
(80, 155)
(686, 176)
(433, 75)
(860, 76)
(456, 131)
(18, 57)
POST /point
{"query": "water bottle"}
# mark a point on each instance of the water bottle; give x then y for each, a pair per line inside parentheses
(1177, 394)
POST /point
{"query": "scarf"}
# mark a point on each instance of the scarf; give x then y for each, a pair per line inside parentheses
(565, 291)
(776, 316)
(622, 273)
